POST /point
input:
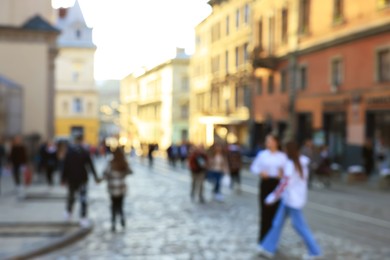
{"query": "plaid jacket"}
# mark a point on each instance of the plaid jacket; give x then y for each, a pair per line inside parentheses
(116, 181)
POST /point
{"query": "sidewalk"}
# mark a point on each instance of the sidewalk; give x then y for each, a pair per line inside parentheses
(35, 224)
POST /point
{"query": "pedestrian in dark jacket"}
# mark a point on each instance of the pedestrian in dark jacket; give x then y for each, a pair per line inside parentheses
(368, 157)
(50, 161)
(198, 164)
(75, 175)
(115, 174)
(235, 163)
(18, 160)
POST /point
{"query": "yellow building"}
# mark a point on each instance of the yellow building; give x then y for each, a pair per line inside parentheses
(221, 74)
(156, 103)
(76, 95)
(28, 51)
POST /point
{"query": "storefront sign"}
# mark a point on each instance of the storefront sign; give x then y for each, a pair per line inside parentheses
(379, 100)
(335, 104)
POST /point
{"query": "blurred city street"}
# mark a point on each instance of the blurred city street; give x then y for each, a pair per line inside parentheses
(163, 223)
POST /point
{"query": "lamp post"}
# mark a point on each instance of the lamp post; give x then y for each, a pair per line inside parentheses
(290, 133)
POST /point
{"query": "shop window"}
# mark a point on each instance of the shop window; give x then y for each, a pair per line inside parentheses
(336, 74)
(304, 16)
(284, 25)
(383, 59)
(283, 81)
(270, 84)
(259, 86)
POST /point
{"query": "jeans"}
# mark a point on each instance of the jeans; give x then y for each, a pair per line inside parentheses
(270, 242)
(197, 185)
(215, 176)
(82, 190)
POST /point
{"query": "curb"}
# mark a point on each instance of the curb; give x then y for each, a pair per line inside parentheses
(51, 246)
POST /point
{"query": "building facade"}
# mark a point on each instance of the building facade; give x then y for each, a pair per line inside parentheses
(28, 51)
(156, 103)
(76, 93)
(327, 69)
(221, 74)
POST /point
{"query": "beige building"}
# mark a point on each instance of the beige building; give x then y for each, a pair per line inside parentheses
(76, 93)
(156, 103)
(221, 74)
(27, 51)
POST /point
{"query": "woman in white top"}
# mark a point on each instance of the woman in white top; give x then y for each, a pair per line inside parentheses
(293, 191)
(268, 164)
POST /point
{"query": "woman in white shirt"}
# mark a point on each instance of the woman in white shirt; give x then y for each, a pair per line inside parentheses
(293, 191)
(268, 164)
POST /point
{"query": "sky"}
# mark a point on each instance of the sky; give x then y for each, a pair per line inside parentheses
(130, 34)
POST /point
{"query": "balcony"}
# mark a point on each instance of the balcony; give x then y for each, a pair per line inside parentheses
(263, 60)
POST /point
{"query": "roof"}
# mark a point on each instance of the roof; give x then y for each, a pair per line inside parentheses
(9, 83)
(39, 24)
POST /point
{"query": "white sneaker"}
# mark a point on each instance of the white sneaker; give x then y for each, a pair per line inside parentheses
(311, 257)
(219, 197)
(84, 223)
(264, 253)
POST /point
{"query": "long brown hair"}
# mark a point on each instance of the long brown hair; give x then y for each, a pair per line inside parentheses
(119, 162)
(292, 152)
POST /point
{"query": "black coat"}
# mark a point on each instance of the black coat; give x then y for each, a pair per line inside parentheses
(76, 165)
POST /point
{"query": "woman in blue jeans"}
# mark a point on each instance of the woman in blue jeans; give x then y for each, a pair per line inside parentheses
(293, 191)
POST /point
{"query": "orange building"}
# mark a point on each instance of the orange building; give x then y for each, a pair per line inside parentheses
(335, 62)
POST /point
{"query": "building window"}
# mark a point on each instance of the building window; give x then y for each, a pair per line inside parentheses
(246, 56)
(270, 84)
(261, 34)
(284, 25)
(302, 78)
(227, 62)
(184, 112)
(215, 64)
(77, 106)
(78, 33)
(237, 57)
(185, 83)
(283, 81)
(259, 86)
(384, 65)
(237, 18)
(338, 11)
(227, 25)
(246, 14)
(304, 16)
(336, 73)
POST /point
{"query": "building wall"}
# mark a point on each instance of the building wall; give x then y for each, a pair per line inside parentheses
(16, 12)
(91, 126)
(33, 76)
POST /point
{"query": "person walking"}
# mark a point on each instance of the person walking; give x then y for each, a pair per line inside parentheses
(115, 174)
(197, 163)
(217, 167)
(235, 164)
(293, 193)
(268, 164)
(75, 175)
(368, 157)
(18, 160)
(50, 161)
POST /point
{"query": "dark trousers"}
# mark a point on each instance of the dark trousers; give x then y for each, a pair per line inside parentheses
(81, 189)
(16, 173)
(236, 178)
(117, 209)
(49, 174)
(267, 211)
(197, 184)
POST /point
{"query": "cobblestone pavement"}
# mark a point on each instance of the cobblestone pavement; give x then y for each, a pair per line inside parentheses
(163, 223)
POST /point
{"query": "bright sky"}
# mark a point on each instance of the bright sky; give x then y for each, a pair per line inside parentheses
(134, 33)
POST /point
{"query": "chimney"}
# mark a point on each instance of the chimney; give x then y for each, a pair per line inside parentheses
(62, 12)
